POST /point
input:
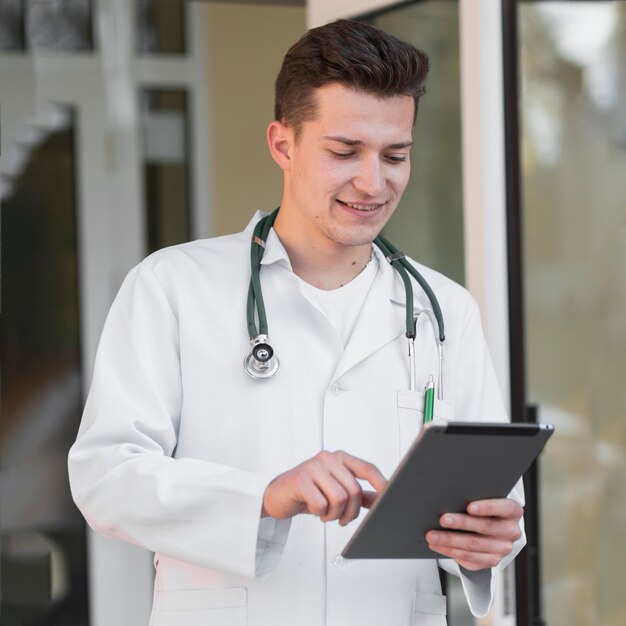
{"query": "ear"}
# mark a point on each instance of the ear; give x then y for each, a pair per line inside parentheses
(280, 140)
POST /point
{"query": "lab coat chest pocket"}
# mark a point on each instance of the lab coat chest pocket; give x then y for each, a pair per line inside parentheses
(201, 607)
(411, 416)
(429, 609)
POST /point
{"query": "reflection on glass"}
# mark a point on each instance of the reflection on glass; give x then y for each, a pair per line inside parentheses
(11, 25)
(59, 25)
(429, 222)
(160, 26)
(43, 565)
(573, 62)
(166, 166)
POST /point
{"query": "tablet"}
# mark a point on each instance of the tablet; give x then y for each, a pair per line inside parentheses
(446, 468)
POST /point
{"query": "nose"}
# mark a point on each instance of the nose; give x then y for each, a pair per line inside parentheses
(370, 178)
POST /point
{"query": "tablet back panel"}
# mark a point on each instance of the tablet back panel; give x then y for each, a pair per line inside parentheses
(447, 467)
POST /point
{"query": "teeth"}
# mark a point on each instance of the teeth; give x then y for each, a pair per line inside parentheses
(362, 207)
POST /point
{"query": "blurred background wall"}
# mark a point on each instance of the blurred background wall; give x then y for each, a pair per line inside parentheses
(573, 114)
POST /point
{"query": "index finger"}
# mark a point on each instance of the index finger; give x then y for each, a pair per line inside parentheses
(496, 507)
(363, 469)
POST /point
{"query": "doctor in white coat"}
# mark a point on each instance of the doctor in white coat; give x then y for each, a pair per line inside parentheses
(246, 490)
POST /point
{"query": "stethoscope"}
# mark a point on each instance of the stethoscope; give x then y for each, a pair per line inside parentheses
(262, 362)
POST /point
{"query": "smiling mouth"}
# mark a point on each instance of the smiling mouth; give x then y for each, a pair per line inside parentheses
(361, 206)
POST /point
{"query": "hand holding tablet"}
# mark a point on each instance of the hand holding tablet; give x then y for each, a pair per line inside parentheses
(481, 537)
(447, 468)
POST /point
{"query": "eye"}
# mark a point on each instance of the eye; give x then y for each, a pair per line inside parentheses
(396, 158)
(341, 155)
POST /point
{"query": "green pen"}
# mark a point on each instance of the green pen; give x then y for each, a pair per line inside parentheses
(429, 399)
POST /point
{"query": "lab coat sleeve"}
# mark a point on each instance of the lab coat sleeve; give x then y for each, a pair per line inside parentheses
(122, 474)
(480, 399)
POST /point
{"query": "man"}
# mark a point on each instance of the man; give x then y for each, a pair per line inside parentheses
(229, 479)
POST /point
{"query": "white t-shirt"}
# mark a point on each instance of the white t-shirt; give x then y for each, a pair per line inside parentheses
(343, 305)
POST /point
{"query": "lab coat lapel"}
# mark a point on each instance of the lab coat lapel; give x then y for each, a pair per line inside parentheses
(381, 320)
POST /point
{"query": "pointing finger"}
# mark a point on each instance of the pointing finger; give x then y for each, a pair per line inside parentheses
(369, 497)
(364, 470)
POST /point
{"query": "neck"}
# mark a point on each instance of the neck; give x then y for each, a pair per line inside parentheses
(321, 262)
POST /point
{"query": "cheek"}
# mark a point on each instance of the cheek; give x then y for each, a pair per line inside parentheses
(316, 171)
(401, 179)
(331, 176)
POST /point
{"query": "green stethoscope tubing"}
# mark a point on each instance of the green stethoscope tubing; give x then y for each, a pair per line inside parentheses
(401, 265)
(255, 294)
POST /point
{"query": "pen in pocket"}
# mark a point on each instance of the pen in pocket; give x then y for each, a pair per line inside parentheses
(429, 399)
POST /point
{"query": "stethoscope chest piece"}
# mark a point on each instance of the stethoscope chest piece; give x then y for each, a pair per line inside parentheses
(261, 363)
(259, 369)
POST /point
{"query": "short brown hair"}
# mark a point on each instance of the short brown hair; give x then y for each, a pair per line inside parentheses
(354, 54)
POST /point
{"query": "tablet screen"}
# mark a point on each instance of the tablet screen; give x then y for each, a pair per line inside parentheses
(446, 468)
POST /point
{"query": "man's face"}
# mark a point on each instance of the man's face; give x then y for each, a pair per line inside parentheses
(349, 166)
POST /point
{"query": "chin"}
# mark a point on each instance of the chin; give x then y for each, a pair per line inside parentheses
(354, 236)
(355, 240)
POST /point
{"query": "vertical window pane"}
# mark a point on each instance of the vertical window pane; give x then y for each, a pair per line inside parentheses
(166, 166)
(11, 25)
(43, 566)
(428, 225)
(161, 26)
(573, 66)
(59, 25)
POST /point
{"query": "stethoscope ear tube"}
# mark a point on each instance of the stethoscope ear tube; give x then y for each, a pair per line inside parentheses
(255, 294)
(394, 257)
(401, 259)
(398, 260)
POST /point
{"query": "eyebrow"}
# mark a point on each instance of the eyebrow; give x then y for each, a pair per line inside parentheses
(356, 142)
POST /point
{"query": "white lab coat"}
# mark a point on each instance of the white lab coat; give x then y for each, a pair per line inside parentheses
(177, 443)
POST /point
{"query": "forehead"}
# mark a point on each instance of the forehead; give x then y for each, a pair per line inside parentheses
(343, 111)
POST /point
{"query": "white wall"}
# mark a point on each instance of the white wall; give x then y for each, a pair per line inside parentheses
(323, 11)
(244, 176)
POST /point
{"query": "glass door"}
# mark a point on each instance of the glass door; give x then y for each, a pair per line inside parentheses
(572, 113)
(429, 223)
(43, 565)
